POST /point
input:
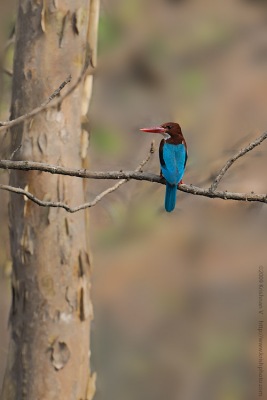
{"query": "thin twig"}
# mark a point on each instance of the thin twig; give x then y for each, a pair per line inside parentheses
(7, 71)
(10, 41)
(15, 151)
(77, 83)
(239, 154)
(117, 185)
(37, 110)
(92, 203)
(3, 52)
(122, 181)
(46, 104)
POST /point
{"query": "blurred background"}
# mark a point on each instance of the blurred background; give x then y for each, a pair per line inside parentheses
(175, 295)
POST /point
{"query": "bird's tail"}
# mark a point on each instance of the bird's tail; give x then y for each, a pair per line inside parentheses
(170, 197)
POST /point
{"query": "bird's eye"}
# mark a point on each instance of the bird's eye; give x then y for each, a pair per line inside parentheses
(168, 127)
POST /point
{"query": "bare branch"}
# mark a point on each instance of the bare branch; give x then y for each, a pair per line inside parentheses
(37, 110)
(35, 199)
(92, 203)
(57, 204)
(83, 73)
(46, 104)
(79, 173)
(224, 195)
(239, 154)
(262, 198)
(122, 175)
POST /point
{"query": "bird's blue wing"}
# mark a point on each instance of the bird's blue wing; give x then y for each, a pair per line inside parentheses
(173, 159)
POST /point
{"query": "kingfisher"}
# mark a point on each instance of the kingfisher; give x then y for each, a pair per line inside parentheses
(172, 157)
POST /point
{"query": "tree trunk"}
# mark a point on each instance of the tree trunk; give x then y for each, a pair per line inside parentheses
(51, 310)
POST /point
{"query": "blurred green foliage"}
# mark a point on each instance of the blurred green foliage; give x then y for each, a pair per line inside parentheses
(127, 225)
(192, 82)
(109, 32)
(105, 141)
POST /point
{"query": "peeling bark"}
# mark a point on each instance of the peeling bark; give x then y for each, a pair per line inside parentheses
(51, 309)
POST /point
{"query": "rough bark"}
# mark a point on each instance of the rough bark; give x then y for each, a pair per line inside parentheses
(51, 309)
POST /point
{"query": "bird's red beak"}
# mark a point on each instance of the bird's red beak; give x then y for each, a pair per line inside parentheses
(153, 129)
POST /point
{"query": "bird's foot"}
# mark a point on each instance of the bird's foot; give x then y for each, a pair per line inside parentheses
(181, 182)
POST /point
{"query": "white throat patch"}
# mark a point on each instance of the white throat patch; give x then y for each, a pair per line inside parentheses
(166, 136)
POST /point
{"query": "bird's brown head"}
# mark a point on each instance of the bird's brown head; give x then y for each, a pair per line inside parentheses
(170, 130)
